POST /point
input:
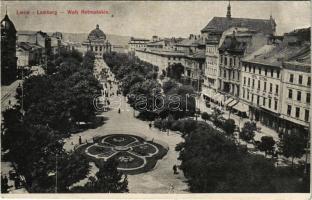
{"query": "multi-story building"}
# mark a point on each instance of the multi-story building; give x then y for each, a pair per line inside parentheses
(28, 54)
(137, 43)
(40, 39)
(97, 43)
(233, 47)
(160, 58)
(189, 52)
(225, 26)
(296, 100)
(211, 67)
(8, 51)
(220, 24)
(272, 88)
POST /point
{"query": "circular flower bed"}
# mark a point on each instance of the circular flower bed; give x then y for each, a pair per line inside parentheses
(134, 154)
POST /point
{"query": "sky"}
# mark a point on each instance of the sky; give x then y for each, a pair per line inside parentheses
(145, 19)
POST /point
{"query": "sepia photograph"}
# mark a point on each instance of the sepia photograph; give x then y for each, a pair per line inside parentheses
(167, 98)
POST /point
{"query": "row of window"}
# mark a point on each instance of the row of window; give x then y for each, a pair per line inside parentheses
(264, 87)
(250, 97)
(211, 49)
(211, 61)
(260, 71)
(297, 112)
(290, 96)
(211, 71)
(97, 48)
(229, 61)
(231, 74)
(300, 79)
(174, 58)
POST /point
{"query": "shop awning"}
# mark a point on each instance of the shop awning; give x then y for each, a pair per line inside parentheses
(241, 107)
(233, 103)
(229, 100)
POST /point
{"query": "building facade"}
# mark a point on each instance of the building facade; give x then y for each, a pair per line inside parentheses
(8, 51)
(137, 43)
(97, 43)
(296, 101)
(276, 87)
(39, 40)
(28, 54)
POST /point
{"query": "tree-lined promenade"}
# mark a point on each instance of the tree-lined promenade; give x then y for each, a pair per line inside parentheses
(50, 108)
(212, 158)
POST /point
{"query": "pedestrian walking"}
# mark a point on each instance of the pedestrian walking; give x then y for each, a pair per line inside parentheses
(80, 140)
(150, 125)
(171, 188)
(119, 110)
(16, 183)
(5, 180)
(175, 169)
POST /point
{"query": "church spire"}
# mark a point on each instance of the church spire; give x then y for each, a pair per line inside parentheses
(228, 14)
(6, 10)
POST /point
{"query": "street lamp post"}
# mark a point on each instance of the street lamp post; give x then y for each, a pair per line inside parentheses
(56, 173)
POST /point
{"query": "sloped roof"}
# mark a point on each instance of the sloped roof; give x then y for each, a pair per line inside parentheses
(139, 39)
(276, 55)
(191, 42)
(220, 24)
(231, 43)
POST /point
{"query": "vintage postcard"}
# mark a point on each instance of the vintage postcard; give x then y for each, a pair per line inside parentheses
(155, 99)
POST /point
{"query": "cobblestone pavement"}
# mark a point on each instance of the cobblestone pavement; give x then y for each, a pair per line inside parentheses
(159, 179)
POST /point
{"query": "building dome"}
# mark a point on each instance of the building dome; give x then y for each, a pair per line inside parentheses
(97, 34)
(7, 25)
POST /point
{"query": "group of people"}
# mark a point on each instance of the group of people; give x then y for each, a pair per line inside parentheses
(5, 182)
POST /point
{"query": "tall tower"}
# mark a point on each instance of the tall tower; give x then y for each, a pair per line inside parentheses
(273, 24)
(228, 14)
(8, 51)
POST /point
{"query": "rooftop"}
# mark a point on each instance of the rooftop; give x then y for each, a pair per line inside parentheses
(275, 55)
(220, 24)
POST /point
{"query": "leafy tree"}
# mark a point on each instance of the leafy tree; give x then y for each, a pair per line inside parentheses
(229, 127)
(205, 116)
(266, 145)
(175, 71)
(4, 186)
(169, 85)
(130, 80)
(108, 180)
(248, 131)
(71, 169)
(88, 60)
(212, 163)
(216, 116)
(293, 144)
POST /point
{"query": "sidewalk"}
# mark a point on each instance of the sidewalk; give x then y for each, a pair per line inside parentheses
(161, 176)
(265, 131)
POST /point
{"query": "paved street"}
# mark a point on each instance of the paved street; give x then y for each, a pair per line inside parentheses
(161, 177)
(239, 121)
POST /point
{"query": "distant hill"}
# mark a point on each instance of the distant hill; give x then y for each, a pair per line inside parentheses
(80, 37)
(114, 39)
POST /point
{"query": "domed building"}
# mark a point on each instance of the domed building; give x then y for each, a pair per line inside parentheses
(8, 51)
(97, 42)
